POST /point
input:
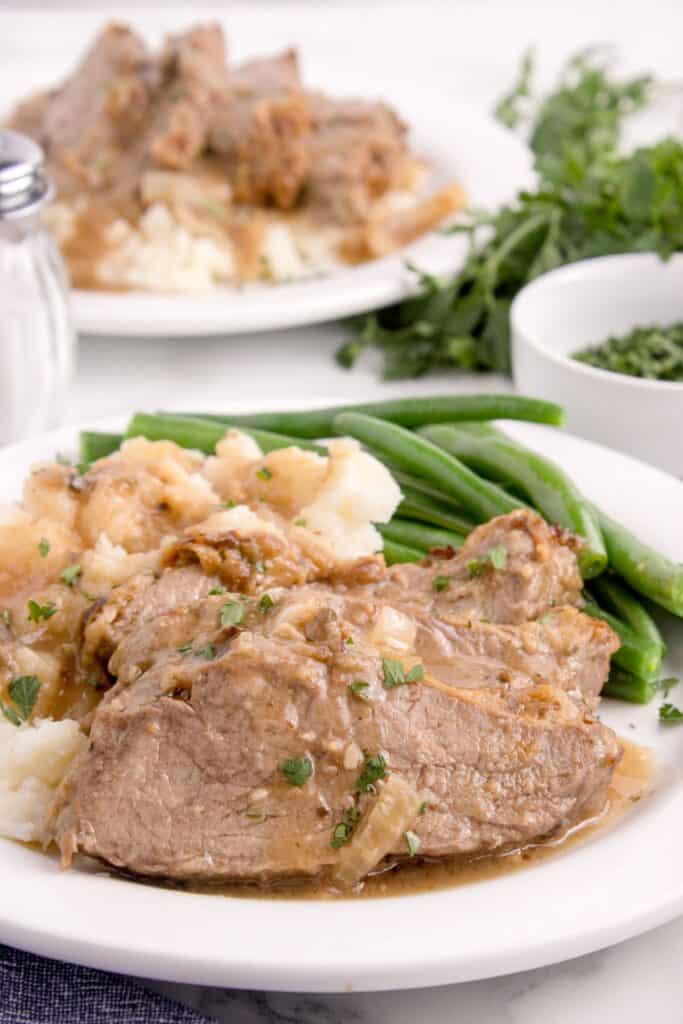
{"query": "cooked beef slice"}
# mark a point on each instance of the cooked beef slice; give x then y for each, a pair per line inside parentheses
(182, 777)
(190, 786)
(260, 124)
(86, 123)
(194, 75)
(358, 152)
(538, 571)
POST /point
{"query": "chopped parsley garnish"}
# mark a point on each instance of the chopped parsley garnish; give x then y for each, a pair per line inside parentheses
(423, 807)
(266, 603)
(7, 617)
(228, 504)
(297, 770)
(217, 590)
(496, 558)
(185, 648)
(301, 522)
(670, 713)
(666, 684)
(232, 613)
(208, 652)
(344, 830)
(374, 769)
(359, 689)
(44, 547)
(349, 641)
(441, 583)
(264, 473)
(70, 575)
(23, 691)
(413, 843)
(36, 611)
(394, 673)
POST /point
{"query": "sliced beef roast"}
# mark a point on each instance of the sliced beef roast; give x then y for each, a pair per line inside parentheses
(299, 731)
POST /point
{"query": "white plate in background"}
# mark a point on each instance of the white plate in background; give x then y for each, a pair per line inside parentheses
(460, 144)
(618, 883)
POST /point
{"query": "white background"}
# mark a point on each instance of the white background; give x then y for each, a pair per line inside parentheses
(468, 50)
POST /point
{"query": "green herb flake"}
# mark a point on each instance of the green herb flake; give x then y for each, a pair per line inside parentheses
(93, 683)
(264, 473)
(495, 559)
(297, 770)
(228, 504)
(36, 611)
(207, 652)
(70, 575)
(394, 674)
(423, 807)
(670, 713)
(23, 691)
(185, 648)
(44, 547)
(301, 522)
(412, 842)
(665, 685)
(217, 590)
(344, 829)
(359, 689)
(232, 613)
(349, 641)
(441, 583)
(7, 617)
(374, 769)
(266, 603)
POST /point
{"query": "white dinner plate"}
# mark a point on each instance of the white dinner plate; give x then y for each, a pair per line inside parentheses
(619, 882)
(459, 142)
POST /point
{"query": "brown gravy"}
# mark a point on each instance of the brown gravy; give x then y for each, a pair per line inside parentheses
(631, 781)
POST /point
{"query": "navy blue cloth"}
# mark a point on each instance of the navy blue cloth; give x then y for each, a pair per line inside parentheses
(38, 991)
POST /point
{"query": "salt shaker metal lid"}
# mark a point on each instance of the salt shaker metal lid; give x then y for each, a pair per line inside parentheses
(23, 185)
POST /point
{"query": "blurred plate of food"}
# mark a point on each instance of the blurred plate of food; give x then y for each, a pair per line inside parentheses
(198, 195)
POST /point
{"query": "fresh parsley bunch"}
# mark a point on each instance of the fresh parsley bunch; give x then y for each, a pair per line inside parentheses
(590, 200)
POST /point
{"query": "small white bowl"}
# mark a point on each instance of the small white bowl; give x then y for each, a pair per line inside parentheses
(584, 304)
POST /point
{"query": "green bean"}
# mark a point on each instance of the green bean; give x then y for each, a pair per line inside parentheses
(394, 553)
(621, 601)
(95, 445)
(487, 450)
(419, 536)
(204, 434)
(636, 654)
(417, 505)
(623, 685)
(417, 456)
(645, 569)
(407, 412)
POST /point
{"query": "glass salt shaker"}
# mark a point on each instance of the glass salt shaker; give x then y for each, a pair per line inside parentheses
(37, 340)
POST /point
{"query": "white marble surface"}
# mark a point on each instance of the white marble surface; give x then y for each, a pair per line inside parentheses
(467, 48)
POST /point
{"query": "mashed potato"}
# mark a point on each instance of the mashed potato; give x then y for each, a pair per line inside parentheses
(33, 760)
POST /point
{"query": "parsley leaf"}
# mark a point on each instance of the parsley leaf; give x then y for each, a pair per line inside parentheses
(394, 673)
(670, 713)
(217, 590)
(441, 583)
(344, 830)
(374, 769)
(36, 611)
(70, 575)
(232, 613)
(359, 689)
(412, 842)
(266, 603)
(185, 648)
(496, 558)
(208, 652)
(44, 547)
(264, 473)
(23, 691)
(297, 770)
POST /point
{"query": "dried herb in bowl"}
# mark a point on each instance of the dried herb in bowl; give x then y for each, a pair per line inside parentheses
(653, 352)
